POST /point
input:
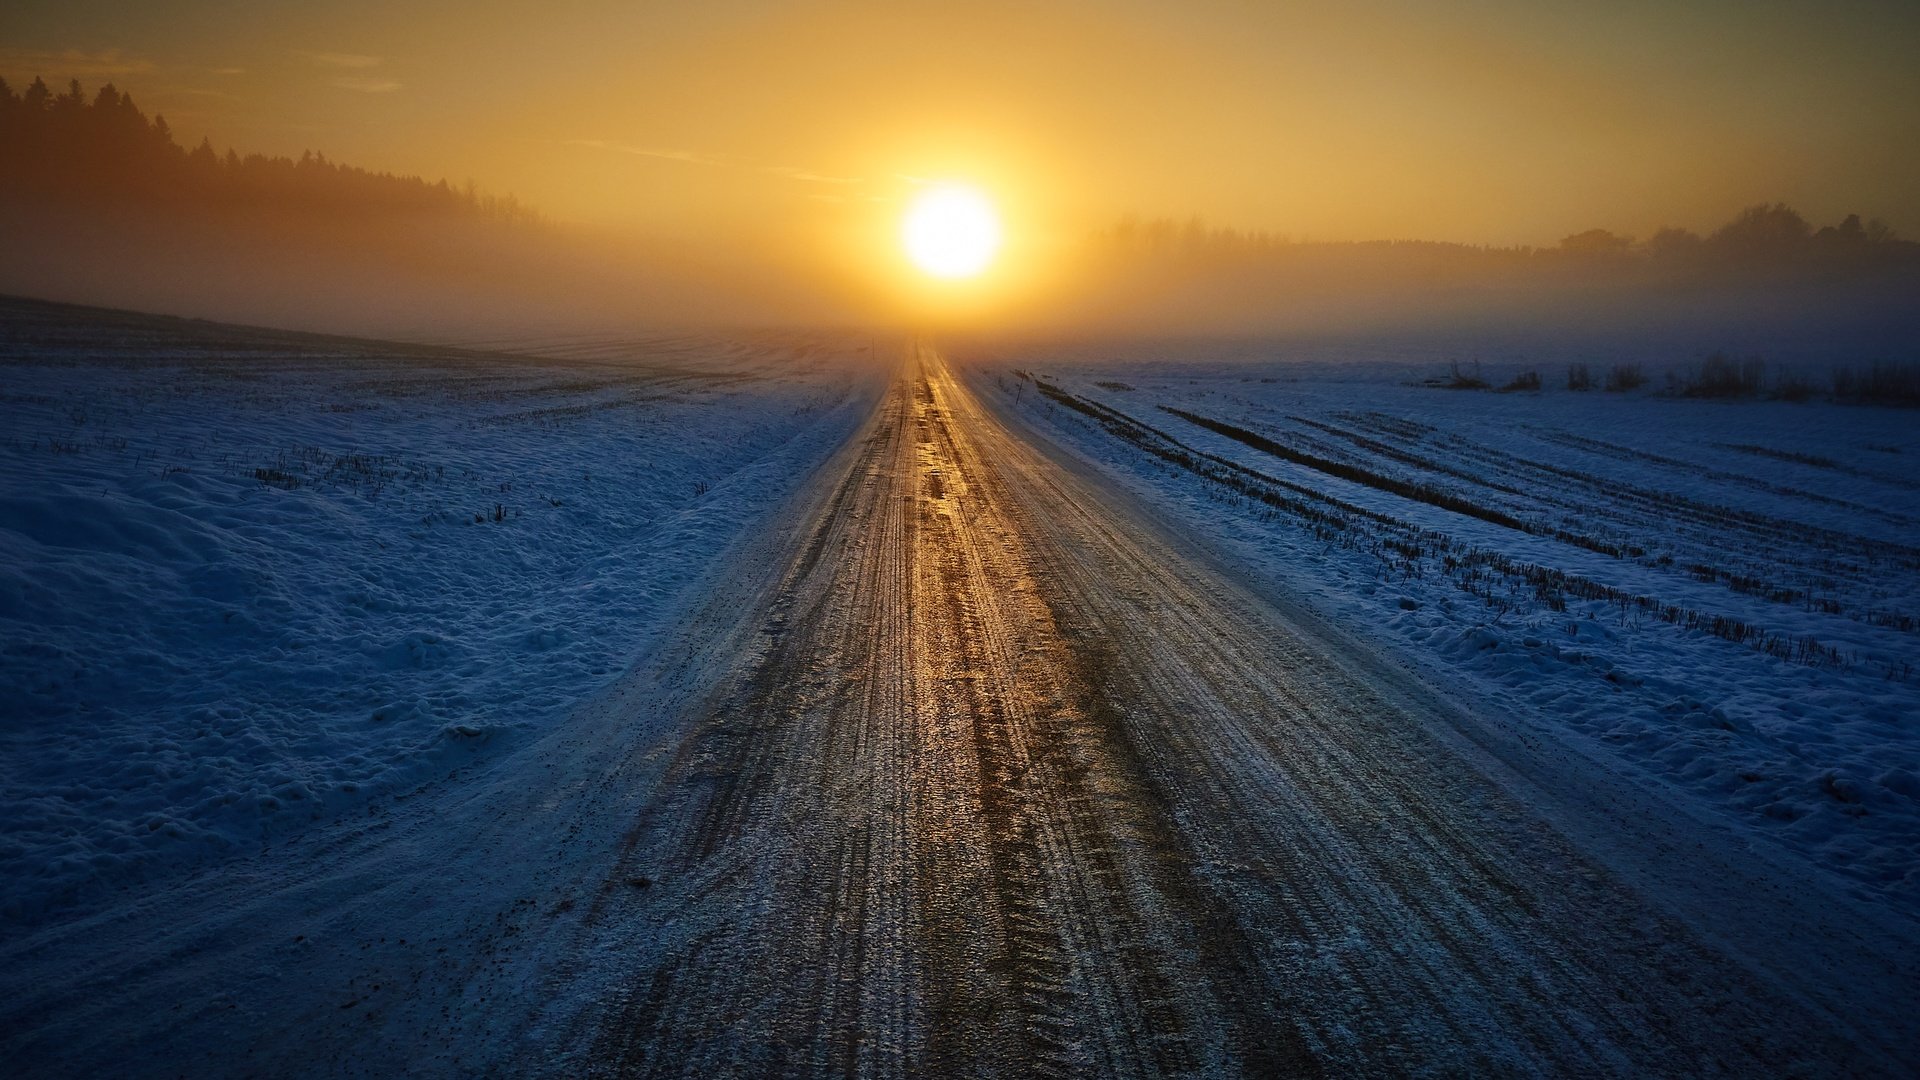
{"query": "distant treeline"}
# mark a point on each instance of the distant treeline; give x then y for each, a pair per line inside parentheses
(1766, 275)
(65, 147)
(1762, 237)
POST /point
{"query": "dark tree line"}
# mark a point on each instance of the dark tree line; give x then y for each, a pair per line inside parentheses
(1762, 231)
(65, 147)
(1853, 281)
(1762, 237)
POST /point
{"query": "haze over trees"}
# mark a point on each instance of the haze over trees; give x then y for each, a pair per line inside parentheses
(1852, 278)
(67, 147)
(102, 204)
(1758, 236)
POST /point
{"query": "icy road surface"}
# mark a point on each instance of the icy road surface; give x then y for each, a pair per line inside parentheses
(973, 767)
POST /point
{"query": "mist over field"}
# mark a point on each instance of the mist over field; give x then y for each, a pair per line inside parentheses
(103, 206)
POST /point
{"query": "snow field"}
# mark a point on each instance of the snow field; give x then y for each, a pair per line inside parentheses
(249, 581)
(1724, 596)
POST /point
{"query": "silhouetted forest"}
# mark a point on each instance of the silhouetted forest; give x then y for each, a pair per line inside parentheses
(63, 146)
(1766, 271)
(100, 205)
(1762, 239)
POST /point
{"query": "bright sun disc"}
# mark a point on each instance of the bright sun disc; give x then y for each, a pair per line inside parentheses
(951, 232)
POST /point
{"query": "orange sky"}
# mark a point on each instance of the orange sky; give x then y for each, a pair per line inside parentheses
(1490, 122)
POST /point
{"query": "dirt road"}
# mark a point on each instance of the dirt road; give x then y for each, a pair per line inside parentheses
(1014, 788)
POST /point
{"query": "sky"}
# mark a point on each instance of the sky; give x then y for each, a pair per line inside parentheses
(1488, 122)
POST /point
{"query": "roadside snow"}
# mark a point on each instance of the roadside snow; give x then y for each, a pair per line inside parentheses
(1724, 595)
(249, 581)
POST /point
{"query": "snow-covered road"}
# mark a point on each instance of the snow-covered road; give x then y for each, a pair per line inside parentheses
(970, 764)
(1017, 787)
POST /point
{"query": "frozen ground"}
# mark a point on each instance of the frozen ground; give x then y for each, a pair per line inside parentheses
(960, 760)
(1723, 596)
(252, 580)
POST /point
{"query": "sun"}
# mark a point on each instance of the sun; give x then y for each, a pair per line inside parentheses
(951, 231)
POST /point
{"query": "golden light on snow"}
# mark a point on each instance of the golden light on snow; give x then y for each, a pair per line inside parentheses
(951, 231)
